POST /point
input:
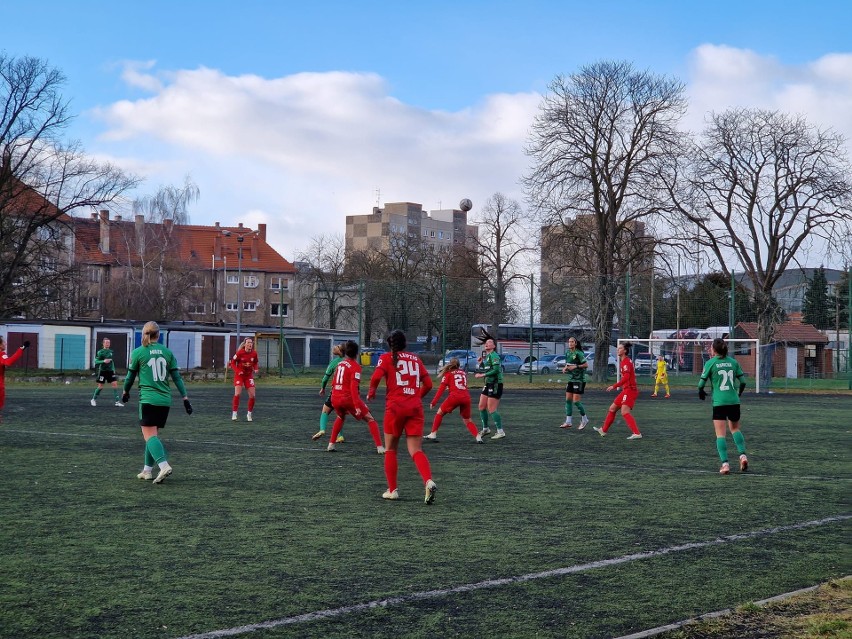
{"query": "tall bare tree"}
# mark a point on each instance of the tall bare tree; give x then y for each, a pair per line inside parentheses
(762, 187)
(505, 237)
(169, 203)
(599, 143)
(325, 282)
(43, 178)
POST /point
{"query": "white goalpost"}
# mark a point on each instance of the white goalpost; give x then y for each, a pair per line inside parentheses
(688, 356)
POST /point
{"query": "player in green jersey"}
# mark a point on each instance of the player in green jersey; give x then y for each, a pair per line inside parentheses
(104, 360)
(726, 380)
(337, 351)
(489, 400)
(575, 367)
(153, 363)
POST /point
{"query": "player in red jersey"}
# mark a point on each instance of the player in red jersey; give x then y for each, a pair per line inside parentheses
(8, 360)
(245, 365)
(346, 397)
(626, 396)
(408, 383)
(455, 379)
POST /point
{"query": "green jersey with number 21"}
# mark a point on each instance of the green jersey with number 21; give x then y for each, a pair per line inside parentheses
(154, 365)
(725, 375)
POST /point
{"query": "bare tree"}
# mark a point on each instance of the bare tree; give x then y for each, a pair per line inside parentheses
(762, 187)
(42, 179)
(505, 238)
(325, 282)
(599, 143)
(169, 203)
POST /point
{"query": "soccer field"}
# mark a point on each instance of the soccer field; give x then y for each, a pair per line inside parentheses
(547, 533)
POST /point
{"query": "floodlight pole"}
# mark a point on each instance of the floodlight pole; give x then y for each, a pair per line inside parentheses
(240, 240)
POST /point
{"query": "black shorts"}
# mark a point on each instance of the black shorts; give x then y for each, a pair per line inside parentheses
(576, 388)
(731, 412)
(327, 402)
(106, 377)
(493, 390)
(150, 415)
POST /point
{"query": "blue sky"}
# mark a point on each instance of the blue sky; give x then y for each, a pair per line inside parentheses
(296, 114)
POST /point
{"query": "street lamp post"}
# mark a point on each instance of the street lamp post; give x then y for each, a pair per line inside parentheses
(240, 240)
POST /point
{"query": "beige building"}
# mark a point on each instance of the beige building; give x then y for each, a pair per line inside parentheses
(441, 229)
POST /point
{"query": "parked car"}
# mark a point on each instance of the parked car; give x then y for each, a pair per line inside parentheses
(545, 365)
(645, 363)
(611, 363)
(508, 362)
(467, 360)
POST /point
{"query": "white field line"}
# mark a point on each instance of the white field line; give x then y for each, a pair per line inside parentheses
(652, 632)
(315, 449)
(495, 583)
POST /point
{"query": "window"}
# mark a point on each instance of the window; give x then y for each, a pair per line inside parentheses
(195, 281)
(431, 233)
(93, 274)
(231, 306)
(425, 232)
(196, 309)
(810, 350)
(91, 303)
(249, 306)
(440, 235)
(233, 279)
(276, 310)
(250, 281)
(279, 283)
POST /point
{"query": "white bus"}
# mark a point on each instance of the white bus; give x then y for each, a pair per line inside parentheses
(547, 339)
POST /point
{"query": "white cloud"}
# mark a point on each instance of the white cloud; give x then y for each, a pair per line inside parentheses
(303, 151)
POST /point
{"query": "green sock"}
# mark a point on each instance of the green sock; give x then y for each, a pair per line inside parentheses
(722, 448)
(155, 447)
(149, 460)
(497, 420)
(324, 420)
(739, 440)
(580, 406)
(97, 392)
(569, 408)
(115, 394)
(483, 417)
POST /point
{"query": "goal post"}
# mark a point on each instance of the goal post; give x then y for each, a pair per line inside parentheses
(687, 357)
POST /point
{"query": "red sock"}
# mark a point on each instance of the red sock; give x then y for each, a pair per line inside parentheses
(610, 417)
(251, 404)
(436, 423)
(391, 466)
(472, 428)
(631, 423)
(236, 403)
(335, 429)
(374, 431)
(422, 463)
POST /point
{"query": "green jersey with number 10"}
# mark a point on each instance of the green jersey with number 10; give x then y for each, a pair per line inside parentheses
(154, 365)
(725, 375)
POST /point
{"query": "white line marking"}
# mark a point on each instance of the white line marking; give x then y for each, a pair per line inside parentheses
(494, 583)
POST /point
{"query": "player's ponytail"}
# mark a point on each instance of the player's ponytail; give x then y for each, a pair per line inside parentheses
(150, 333)
(397, 342)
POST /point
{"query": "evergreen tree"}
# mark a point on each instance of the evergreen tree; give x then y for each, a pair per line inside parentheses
(817, 308)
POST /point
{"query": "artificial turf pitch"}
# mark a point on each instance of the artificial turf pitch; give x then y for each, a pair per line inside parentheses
(546, 533)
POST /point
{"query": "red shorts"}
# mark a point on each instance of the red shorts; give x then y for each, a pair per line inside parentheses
(344, 407)
(462, 403)
(404, 419)
(626, 397)
(244, 379)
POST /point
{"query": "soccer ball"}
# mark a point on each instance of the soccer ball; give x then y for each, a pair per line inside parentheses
(465, 205)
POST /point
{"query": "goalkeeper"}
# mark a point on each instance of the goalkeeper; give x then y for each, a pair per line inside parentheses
(726, 380)
(662, 376)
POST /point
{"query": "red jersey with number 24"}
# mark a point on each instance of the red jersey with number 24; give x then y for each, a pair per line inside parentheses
(408, 381)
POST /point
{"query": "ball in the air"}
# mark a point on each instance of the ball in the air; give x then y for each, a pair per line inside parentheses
(465, 205)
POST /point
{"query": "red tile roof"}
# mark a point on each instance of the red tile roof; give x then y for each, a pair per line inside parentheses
(195, 245)
(788, 332)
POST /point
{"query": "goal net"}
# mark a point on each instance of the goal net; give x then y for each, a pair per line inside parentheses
(685, 358)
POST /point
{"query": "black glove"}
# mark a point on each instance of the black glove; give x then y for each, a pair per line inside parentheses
(701, 394)
(125, 397)
(187, 407)
(742, 388)
(26, 343)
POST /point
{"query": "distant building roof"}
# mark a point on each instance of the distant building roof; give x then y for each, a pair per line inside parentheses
(792, 332)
